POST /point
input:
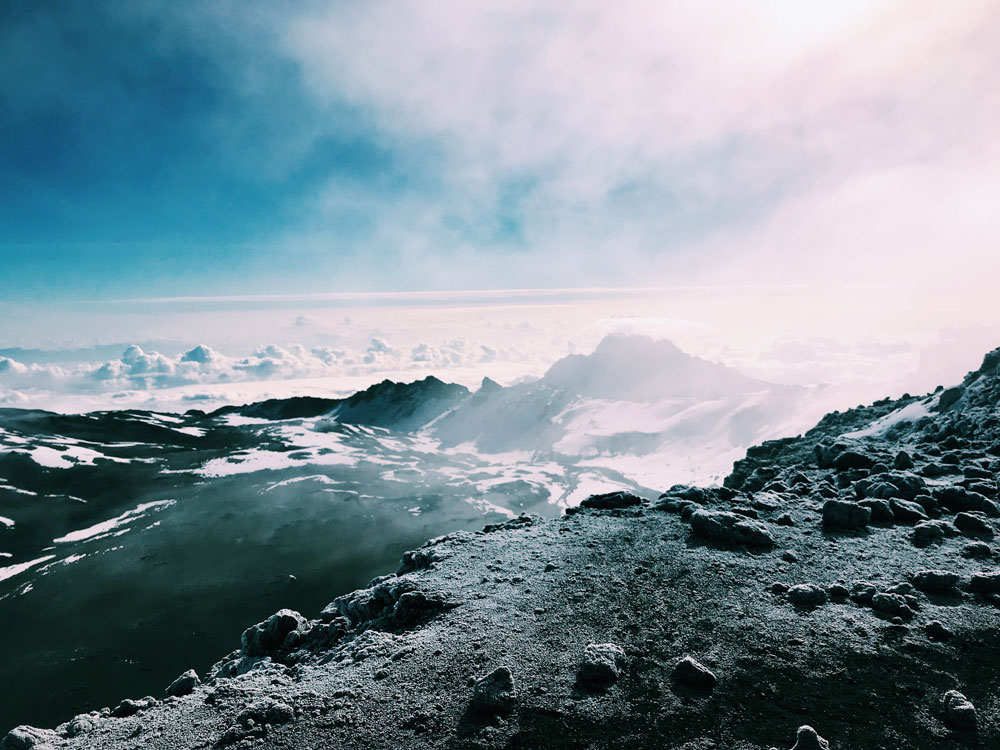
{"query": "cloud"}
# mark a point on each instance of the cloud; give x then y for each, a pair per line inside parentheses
(779, 141)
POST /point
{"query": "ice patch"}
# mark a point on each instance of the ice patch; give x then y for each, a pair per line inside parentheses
(8, 522)
(113, 525)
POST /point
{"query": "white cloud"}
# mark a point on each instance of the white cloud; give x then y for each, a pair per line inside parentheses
(767, 142)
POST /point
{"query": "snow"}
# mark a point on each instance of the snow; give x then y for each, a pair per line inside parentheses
(9, 523)
(113, 525)
(12, 570)
(72, 454)
(18, 490)
(909, 413)
(321, 478)
(192, 431)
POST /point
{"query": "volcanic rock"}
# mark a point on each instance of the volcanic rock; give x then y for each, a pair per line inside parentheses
(494, 693)
(603, 663)
(808, 739)
(730, 529)
(959, 713)
(694, 674)
(841, 514)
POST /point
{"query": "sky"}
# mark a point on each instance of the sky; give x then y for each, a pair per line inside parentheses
(245, 175)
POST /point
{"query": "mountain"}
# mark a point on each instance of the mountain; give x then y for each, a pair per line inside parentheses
(839, 589)
(159, 534)
(639, 369)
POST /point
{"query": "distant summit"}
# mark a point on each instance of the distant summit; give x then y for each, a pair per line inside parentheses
(637, 368)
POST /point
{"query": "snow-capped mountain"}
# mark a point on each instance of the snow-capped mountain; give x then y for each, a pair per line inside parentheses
(142, 528)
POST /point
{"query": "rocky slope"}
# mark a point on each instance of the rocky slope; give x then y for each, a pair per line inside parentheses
(841, 589)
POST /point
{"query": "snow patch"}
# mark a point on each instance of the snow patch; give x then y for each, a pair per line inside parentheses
(909, 413)
(113, 525)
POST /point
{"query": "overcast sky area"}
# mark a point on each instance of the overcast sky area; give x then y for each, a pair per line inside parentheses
(267, 198)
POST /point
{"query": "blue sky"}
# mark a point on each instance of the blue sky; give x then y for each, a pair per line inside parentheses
(179, 148)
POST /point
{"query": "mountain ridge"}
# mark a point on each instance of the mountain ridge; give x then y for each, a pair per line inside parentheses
(823, 564)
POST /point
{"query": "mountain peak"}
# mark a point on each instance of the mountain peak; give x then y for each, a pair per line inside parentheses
(639, 368)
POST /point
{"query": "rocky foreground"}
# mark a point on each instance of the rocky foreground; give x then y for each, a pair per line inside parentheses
(841, 590)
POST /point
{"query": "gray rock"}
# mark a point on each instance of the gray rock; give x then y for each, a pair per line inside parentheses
(936, 631)
(959, 713)
(907, 511)
(730, 529)
(30, 738)
(927, 533)
(977, 551)
(603, 663)
(129, 707)
(837, 591)
(268, 711)
(973, 524)
(808, 738)
(881, 512)
(806, 595)
(985, 583)
(903, 460)
(949, 397)
(852, 460)
(184, 684)
(936, 581)
(958, 499)
(863, 592)
(693, 673)
(893, 605)
(841, 514)
(495, 693)
(611, 500)
(266, 637)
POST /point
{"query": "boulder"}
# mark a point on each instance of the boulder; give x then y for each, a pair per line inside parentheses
(808, 738)
(612, 500)
(907, 511)
(894, 605)
(603, 663)
(957, 499)
(692, 673)
(852, 460)
(129, 707)
(730, 529)
(931, 532)
(807, 595)
(973, 524)
(977, 551)
(184, 684)
(494, 694)
(936, 581)
(862, 592)
(985, 583)
(959, 713)
(903, 460)
(845, 515)
(881, 512)
(936, 631)
(30, 738)
(949, 397)
(266, 637)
